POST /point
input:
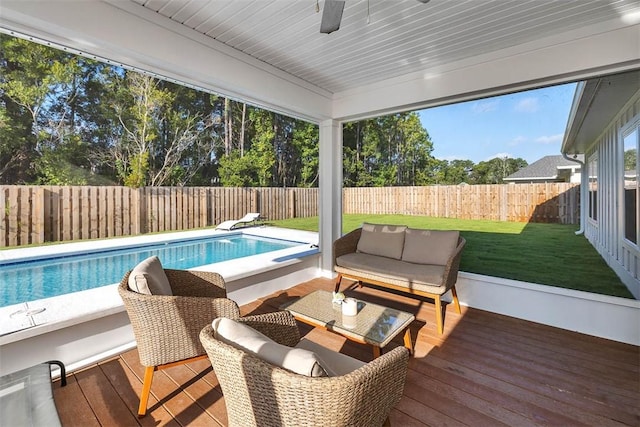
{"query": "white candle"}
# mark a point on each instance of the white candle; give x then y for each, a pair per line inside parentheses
(350, 307)
(349, 322)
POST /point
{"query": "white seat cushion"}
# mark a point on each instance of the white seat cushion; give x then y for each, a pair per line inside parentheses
(149, 278)
(239, 335)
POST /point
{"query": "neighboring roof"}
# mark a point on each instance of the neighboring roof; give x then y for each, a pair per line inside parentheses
(595, 104)
(545, 168)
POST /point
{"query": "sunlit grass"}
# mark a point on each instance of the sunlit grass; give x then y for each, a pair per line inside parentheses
(548, 254)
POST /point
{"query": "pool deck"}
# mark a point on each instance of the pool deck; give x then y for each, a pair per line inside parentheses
(24, 320)
(485, 370)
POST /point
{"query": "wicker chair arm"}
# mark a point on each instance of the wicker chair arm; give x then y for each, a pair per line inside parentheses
(450, 276)
(280, 326)
(346, 244)
(260, 394)
(367, 395)
(167, 328)
(196, 283)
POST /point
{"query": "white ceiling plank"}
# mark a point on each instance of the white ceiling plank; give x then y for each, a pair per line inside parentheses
(209, 17)
(154, 5)
(170, 8)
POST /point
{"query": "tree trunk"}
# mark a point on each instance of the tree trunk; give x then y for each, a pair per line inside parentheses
(243, 128)
(227, 128)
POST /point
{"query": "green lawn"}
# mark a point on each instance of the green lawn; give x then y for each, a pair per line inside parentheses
(549, 254)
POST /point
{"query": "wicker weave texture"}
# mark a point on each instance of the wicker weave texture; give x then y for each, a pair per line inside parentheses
(280, 326)
(453, 265)
(346, 244)
(167, 328)
(260, 394)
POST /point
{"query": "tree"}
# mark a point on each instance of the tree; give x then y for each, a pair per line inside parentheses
(238, 171)
(66, 119)
(415, 150)
(458, 171)
(36, 88)
(262, 150)
(389, 150)
(306, 140)
(24, 86)
(495, 170)
(48, 113)
(630, 160)
(158, 137)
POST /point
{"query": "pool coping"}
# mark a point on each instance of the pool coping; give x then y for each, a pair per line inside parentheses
(25, 320)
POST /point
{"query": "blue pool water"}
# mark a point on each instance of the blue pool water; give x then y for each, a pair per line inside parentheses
(31, 280)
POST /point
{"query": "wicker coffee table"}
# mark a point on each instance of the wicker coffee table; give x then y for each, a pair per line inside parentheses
(374, 324)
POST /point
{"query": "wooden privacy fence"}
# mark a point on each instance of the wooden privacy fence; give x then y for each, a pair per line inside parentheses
(544, 202)
(38, 214)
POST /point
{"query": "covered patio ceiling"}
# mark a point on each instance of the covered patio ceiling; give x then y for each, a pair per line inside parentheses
(378, 40)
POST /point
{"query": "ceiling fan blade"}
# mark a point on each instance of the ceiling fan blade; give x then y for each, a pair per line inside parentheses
(331, 16)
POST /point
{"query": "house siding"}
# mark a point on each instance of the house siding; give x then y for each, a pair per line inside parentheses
(606, 234)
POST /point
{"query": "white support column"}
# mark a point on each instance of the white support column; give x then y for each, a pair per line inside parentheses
(330, 191)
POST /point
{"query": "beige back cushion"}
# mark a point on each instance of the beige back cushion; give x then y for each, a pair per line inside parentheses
(239, 335)
(149, 278)
(382, 240)
(334, 363)
(429, 246)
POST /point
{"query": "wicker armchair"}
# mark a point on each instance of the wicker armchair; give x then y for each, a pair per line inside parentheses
(260, 394)
(166, 328)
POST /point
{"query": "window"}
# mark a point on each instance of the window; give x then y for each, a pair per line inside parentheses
(592, 169)
(631, 140)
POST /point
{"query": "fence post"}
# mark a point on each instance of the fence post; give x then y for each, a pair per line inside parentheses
(142, 210)
(37, 210)
(504, 208)
(255, 202)
(292, 202)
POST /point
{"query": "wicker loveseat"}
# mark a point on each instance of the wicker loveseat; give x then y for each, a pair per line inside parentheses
(415, 261)
(260, 393)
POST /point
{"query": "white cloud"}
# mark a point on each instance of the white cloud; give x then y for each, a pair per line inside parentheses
(550, 139)
(528, 105)
(480, 107)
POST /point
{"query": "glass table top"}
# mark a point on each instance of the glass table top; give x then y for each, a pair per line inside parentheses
(374, 324)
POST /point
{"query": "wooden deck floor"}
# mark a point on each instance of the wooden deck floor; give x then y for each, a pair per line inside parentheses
(486, 370)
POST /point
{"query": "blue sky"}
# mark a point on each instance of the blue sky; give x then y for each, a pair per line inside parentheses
(529, 125)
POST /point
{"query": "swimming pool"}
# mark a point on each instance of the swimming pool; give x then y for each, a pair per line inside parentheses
(29, 280)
